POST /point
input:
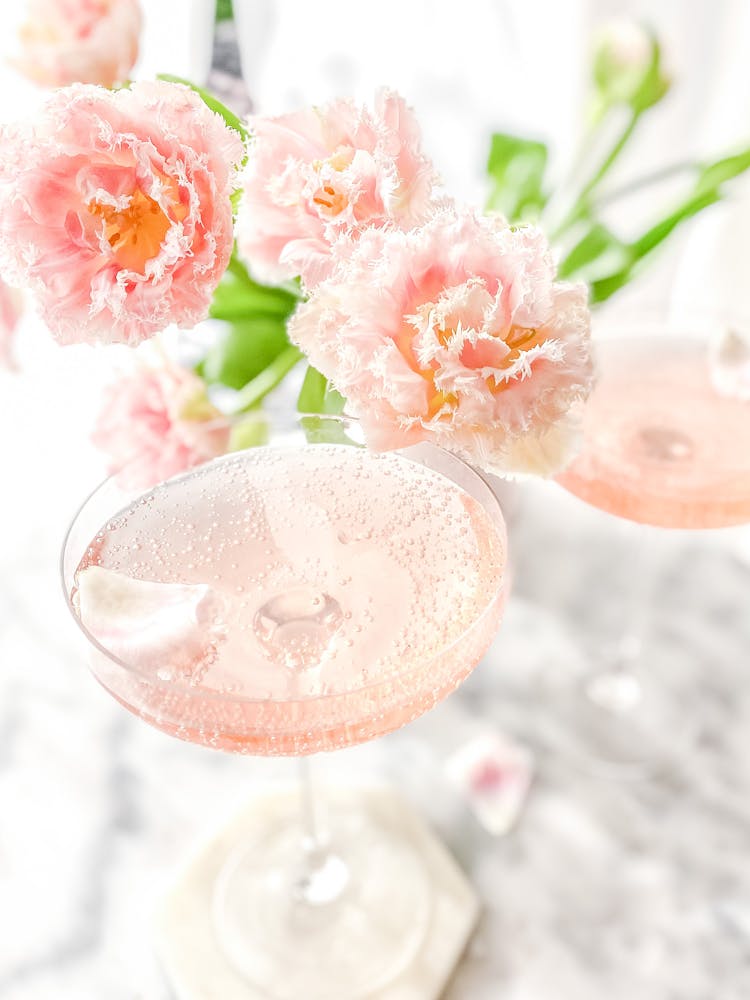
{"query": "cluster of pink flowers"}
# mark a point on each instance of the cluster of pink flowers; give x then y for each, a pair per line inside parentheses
(79, 41)
(11, 307)
(434, 323)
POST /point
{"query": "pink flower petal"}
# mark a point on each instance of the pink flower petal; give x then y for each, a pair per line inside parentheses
(167, 629)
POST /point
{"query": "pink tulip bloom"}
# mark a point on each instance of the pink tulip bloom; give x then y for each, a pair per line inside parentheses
(455, 333)
(158, 421)
(321, 172)
(11, 307)
(79, 41)
(115, 209)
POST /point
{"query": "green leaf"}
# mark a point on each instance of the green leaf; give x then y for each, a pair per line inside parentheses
(327, 429)
(246, 349)
(257, 389)
(235, 300)
(665, 227)
(238, 298)
(317, 395)
(713, 175)
(212, 102)
(516, 167)
(639, 249)
(312, 393)
(334, 403)
(707, 191)
(601, 290)
(597, 243)
(256, 317)
(224, 10)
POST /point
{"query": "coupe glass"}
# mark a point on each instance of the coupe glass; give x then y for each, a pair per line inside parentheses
(302, 595)
(667, 446)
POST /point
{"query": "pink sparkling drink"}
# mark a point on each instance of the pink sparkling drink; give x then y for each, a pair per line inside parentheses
(290, 600)
(661, 445)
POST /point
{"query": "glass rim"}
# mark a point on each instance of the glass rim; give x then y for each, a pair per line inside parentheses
(194, 691)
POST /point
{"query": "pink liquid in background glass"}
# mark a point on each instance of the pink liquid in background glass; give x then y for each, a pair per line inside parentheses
(343, 594)
(661, 445)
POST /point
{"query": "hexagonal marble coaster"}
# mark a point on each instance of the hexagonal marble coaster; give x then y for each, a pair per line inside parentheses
(197, 967)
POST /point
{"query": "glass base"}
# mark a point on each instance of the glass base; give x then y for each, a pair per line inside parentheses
(632, 710)
(628, 723)
(618, 692)
(336, 925)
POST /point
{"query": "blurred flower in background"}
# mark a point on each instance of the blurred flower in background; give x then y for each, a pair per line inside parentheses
(79, 41)
(11, 307)
(627, 67)
(159, 418)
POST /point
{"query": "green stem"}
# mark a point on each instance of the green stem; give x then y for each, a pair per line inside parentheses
(645, 181)
(582, 202)
(259, 387)
(611, 157)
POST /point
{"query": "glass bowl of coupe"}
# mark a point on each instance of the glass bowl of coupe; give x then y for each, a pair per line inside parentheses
(666, 448)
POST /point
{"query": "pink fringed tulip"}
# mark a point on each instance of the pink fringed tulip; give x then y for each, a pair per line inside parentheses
(79, 41)
(318, 173)
(456, 333)
(115, 209)
(158, 421)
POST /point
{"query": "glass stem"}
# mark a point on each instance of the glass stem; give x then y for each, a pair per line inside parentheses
(313, 838)
(617, 687)
(323, 875)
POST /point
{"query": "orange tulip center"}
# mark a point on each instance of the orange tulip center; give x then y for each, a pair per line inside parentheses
(519, 339)
(135, 233)
(330, 201)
